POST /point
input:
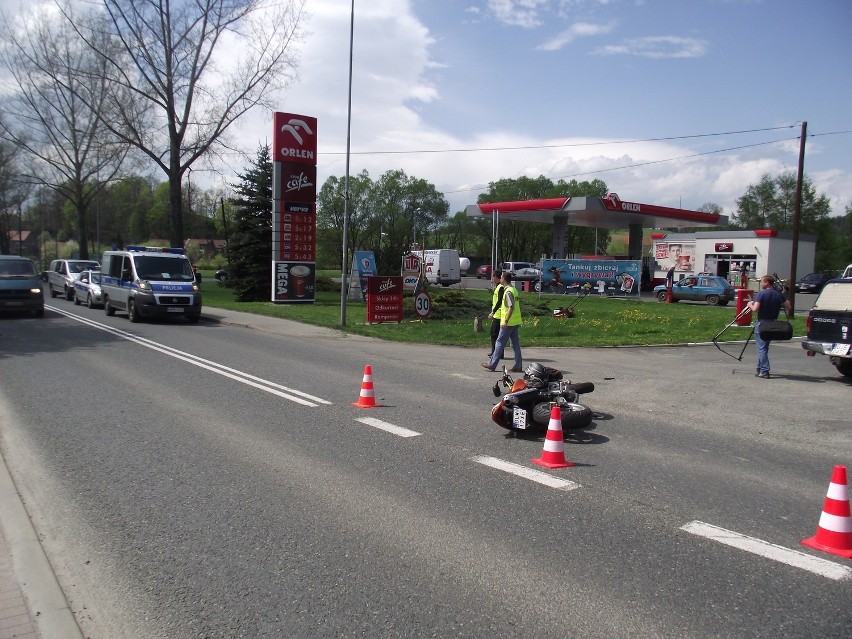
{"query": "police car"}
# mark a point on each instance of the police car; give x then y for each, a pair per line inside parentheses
(149, 282)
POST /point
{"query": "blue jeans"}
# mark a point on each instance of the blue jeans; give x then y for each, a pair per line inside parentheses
(507, 333)
(762, 350)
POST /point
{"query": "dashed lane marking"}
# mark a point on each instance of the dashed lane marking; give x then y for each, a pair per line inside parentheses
(387, 427)
(526, 473)
(793, 558)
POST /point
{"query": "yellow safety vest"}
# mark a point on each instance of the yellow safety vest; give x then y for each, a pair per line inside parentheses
(497, 300)
(515, 317)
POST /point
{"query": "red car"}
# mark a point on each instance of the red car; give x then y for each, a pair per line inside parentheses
(483, 271)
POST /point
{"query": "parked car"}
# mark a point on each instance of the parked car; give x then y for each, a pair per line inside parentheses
(221, 275)
(828, 325)
(87, 289)
(483, 271)
(20, 286)
(63, 273)
(526, 274)
(813, 282)
(702, 288)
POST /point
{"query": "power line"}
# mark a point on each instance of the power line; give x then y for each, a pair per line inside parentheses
(562, 146)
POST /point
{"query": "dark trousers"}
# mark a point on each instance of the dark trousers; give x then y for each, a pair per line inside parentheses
(495, 331)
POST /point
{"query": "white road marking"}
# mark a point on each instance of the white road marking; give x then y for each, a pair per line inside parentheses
(526, 473)
(284, 392)
(385, 426)
(793, 558)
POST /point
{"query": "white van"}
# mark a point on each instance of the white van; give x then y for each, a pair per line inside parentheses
(149, 282)
(442, 266)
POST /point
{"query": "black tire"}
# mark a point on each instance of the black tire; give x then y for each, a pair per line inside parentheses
(573, 415)
(661, 296)
(193, 318)
(844, 367)
(69, 294)
(132, 312)
(52, 290)
(582, 387)
(108, 309)
(39, 312)
(713, 300)
(76, 299)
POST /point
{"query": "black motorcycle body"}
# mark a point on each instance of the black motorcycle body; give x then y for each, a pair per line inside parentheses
(528, 404)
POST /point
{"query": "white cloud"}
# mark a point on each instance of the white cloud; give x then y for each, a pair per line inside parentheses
(578, 30)
(657, 47)
(519, 13)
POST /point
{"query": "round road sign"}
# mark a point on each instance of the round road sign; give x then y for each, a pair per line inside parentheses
(422, 304)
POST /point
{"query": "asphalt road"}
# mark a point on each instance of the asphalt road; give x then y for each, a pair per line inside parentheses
(211, 480)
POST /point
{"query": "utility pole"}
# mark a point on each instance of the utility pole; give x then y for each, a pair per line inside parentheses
(797, 217)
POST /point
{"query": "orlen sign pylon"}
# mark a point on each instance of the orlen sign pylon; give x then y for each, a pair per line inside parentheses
(294, 202)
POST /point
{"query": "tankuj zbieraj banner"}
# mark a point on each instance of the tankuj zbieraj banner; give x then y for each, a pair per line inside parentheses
(619, 278)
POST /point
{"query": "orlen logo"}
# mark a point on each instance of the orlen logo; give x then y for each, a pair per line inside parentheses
(295, 137)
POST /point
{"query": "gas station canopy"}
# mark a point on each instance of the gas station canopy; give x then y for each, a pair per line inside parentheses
(596, 212)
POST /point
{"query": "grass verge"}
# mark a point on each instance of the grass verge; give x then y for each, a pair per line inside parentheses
(598, 322)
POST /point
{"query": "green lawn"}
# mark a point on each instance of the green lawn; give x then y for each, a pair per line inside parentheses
(598, 321)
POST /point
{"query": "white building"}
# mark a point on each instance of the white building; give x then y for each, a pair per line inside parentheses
(727, 253)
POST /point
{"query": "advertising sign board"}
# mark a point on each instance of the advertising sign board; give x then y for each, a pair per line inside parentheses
(384, 299)
(610, 277)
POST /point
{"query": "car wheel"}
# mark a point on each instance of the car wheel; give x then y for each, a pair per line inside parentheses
(537, 287)
(108, 309)
(713, 300)
(193, 318)
(661, 296)
(89, 301)
(844, 367)
(39, 312)
(52, 290)
(76, 299)
(132, 312)
(69, 294)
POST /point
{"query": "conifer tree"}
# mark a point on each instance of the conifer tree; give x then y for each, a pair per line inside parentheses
(250, 242)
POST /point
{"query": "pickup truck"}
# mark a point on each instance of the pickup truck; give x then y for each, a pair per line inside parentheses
(830, 325)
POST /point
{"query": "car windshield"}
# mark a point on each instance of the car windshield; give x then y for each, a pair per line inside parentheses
(95, 277)
(813, 277)
(163, 268)
(79, 267)
(17, 268)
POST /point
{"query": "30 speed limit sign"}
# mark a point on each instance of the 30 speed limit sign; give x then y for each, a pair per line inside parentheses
(422, 304)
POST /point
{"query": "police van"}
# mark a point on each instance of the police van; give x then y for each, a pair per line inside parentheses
(149, 282)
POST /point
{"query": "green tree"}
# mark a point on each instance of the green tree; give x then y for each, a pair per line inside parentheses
(771, 204)
(250, 240)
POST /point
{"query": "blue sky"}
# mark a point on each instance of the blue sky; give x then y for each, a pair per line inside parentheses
(560, 85)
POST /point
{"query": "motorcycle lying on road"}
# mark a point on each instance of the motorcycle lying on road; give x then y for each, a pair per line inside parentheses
(527, 405)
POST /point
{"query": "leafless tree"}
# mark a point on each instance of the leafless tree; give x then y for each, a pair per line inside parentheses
(57, 82)
(13, 192)
(194, 67)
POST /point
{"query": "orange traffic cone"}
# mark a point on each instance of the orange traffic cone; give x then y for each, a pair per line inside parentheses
(367, 398)
(834, 532)
(553, 455)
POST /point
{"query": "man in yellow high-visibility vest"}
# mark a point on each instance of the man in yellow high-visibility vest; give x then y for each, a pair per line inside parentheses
(510, 320)
(496, 305)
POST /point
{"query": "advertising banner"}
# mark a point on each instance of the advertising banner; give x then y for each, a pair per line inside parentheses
(364, 264)
(608, 277)
(293, 282)
(384, 299)
(681, 255)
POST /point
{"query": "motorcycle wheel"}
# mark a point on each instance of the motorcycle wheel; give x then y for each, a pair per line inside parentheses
(582, 387)
(574, 415)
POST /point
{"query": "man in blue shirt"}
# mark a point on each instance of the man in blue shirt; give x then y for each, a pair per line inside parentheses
(767, 304)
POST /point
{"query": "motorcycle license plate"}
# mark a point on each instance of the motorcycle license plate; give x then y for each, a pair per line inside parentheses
(519, 418)
(838, 349)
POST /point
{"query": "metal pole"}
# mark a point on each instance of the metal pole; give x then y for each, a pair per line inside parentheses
(797, 218)
(344, 279)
